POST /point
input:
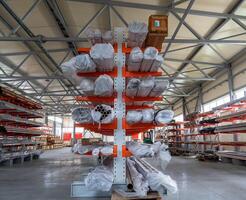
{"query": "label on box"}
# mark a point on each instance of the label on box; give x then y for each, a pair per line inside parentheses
(157, 23)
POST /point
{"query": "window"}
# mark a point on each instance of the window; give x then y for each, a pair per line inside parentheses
(240, 93)
(217, 102)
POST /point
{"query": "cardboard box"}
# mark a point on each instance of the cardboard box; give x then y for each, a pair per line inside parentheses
(155, 40)
(158, 24)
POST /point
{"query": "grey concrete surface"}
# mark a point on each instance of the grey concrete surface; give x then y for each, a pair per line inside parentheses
(49, 178)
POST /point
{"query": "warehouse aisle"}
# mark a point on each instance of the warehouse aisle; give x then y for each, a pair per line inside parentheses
(50, 177)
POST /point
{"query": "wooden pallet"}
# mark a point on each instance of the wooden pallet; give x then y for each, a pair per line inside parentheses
(150, 196)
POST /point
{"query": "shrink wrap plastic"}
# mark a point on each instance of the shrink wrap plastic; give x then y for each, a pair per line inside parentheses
(87, 86)
(101, 179)
(156, 63)
(148, 115)
(103, 56)
(102, 114)
(132, 87)
(104, 86)
(82, 115)
(159, 88)
(145, 87)
(149, 56)
(163, 116)
(133, 116)
(84, 63)
(137, 33)
(135, 59)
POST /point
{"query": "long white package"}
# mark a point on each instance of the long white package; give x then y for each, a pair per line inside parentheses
(140, 184)
(157, 63)
(132, 87)
(148, 115)
(137, 33)
(145, 87)
(159, 88)
(140, 150)
(164, 116)
(87, 86)
(107, 37)
(104, 86)
(149, 57)
(103, 56)
(84, 63)
(69, 71)
(107, 150)
(133, 116)
(102, 114)
(135, 59)
(82, 115)
(101, 178)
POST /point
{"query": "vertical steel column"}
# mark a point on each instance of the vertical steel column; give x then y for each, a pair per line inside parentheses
(62, 124)
(119, 107)
(54, 126)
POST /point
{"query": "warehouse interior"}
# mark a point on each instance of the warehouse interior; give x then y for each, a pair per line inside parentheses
(122, 99)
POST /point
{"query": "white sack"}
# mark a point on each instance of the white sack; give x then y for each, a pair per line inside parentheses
(103, 114)
(159, 181)
(83, 63)
(101, 178)
(104, 86)
(148, 115)
(82, 115)
(107, 150)
(103, 56)
(157, 63)
(132, 87)
(164, 116)
(137, 32)
(133, 116)
(69, 71)
(159, 88)
(135, 59)
(145, 87)
(149, 56)
(87, 86)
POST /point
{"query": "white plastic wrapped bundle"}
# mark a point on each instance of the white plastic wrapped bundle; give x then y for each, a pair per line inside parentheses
(134, 116)
(107, 37)
(96, 151)
(164, 156)
(135, 59)
(103, 56)
(82, 115)
(140, 150)
(164, 116)
(97, 36)
(101, 178)
(103, 114)
(157, 63)
(104, 86)
(87, 86)
(148, 115)
(81, 149)
(145, 87)
(107, 150)
(93, 35)
(69, 71)
(132, 87)
(149, 56)
(140, 184)
(137, 32)
(84, 63)
(159, 88)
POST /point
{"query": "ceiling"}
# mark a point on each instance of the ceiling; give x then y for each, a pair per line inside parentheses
(204, 37)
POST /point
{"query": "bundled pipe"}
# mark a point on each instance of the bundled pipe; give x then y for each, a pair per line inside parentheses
(102, 114)
(157, 63)
(82, 115)
(97, 36)
(104, 86)
(83, 63)
(148, 115)
(134, 116)
(145, 87)
(87, 86)
(137, 33)
(159, 88)
(132, 87)
(103, 56)
(149, 57)
(135, 59)
(163, 116)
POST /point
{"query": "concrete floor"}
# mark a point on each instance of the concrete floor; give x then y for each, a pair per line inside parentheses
(50, 177)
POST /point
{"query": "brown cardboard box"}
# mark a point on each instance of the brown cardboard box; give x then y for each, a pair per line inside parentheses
(154, 40)
(158, 24)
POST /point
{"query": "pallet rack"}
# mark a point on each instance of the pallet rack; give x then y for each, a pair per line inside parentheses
(17, 127)
(210, 139)
(119, 128)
